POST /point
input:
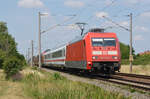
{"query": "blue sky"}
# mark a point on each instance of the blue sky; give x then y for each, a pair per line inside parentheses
(22, 20)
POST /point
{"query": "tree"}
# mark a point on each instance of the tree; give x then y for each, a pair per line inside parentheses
(2, 57)
(10, 60)
(7, 42)
(12, 66)
(125, 51)
(3, 27)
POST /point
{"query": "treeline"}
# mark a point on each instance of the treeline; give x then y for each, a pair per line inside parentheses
(138, 59)
(10, 59)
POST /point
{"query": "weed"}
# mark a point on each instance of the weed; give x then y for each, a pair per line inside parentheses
(55, 86)
(57, 76)
(132, 90)
(35, 68)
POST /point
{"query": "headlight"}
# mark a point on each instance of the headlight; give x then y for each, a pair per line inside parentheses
(95, 57)
(97, 52)
(114, 57)
(112, 52)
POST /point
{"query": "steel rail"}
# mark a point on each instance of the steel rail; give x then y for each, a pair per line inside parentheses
(133, 75)
(127, 84)
(134, 84)
(128, 80)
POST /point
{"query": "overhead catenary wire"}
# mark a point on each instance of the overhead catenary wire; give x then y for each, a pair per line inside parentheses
(104, 8)
(116, 23)
(52, 27)
(77, 15)
(81, 11)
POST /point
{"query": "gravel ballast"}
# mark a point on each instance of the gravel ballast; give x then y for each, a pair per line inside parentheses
(104, 85)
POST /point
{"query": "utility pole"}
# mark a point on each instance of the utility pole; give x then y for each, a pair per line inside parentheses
(28, 60)
(39, 40)
(130, 30)
(27, 56)
(131, 54)
(32, 52)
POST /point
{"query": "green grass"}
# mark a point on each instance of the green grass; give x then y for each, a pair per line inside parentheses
(37, 84)
(54, 86)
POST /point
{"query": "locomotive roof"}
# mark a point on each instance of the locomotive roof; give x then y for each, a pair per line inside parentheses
(78, 38)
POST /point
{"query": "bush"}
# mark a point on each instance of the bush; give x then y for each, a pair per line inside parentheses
(125, 62)
(57, 76)
(12, 66)
(138, 60)
(2, 58)
(142, 60)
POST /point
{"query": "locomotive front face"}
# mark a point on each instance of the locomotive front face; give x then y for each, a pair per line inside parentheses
(104, 51)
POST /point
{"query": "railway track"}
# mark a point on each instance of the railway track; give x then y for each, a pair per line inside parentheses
(134, 75)
(132, 80)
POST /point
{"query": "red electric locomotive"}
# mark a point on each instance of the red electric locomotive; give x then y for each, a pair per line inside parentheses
(94, 51)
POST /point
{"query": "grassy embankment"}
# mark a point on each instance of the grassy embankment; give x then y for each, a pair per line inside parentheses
(137, 69)
(42, 85)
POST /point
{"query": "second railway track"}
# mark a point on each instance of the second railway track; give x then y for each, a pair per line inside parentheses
(132, 80)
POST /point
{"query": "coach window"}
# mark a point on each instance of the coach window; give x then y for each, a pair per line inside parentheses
(57, 54)
(63, 52)
(48, 56)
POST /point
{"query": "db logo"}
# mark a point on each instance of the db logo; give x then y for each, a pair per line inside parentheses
(104, 52)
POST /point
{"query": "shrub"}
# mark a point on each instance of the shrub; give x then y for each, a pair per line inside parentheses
(57, 76)
(125, 62)
(138, 60)
(2, 58)
(12, 66)
(35, 68)
(142, 60)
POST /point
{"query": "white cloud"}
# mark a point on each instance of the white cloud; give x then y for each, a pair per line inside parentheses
(74, 4)
(108, 2)
(132, 1)
(30, 3)
(141, 28)
(145, 14)
(124, 23)
(101, 14)
(138, 38)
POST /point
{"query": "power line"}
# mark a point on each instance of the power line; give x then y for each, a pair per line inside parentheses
(104, 8)
(58, 24)
(116, 23)
(81, 11)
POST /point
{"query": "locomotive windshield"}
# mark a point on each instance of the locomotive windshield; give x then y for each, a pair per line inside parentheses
(103, 42)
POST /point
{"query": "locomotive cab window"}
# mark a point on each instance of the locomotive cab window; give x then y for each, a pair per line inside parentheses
(97, 41)
(109, 42)
(103, 42)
